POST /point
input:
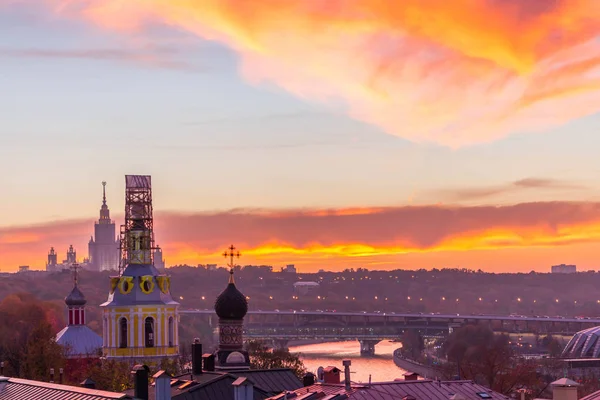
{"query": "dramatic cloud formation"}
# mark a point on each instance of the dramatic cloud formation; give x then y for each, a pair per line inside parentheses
(478, 193)
(334, 239)
(450, 72)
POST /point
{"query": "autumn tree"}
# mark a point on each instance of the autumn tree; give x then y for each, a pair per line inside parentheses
(261, 357)
(41, 353)
(412, 344)
(482, 356)
(111, 375)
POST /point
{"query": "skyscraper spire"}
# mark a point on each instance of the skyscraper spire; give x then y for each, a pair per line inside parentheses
(104, 211)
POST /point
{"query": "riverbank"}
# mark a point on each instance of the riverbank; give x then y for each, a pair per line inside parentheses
(413, 366)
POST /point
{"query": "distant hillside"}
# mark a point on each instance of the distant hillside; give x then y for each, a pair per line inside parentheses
(415, 291)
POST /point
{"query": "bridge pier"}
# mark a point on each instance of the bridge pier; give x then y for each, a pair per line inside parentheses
(367, 347)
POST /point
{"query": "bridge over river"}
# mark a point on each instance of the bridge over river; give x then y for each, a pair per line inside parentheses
(371, 328)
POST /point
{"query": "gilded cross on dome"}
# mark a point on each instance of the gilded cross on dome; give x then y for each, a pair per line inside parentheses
(231, 253)
(75, 267)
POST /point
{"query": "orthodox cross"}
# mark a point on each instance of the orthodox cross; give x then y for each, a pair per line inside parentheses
(75, 267)
(231, 253)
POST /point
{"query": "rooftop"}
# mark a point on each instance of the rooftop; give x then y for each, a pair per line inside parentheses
(19, 389)
(418, 390)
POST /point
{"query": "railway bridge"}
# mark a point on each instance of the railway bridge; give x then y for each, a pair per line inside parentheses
(280, 327)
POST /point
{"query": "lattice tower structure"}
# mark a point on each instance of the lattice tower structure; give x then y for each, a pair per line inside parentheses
(137, 234)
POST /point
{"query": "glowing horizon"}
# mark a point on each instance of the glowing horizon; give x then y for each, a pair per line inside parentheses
(320, 239)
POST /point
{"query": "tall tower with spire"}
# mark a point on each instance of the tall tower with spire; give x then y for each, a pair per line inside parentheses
(140, 318)
(78, 339)
(103, 248)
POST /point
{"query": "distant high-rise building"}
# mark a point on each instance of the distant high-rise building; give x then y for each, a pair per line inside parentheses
(71, 256)
(52, 260)
(103, 248)
(159, 262)
(564, 269)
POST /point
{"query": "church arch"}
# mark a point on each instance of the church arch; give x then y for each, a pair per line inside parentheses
(171, 331)
(149, 332)
(123, 333)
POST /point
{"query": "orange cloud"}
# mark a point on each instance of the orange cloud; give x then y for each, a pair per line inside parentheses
(450, 72)
(414, 237)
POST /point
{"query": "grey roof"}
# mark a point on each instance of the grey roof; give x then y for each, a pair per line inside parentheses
(420, 390)
(79, 340)
(271, 380)
(213, 386)
(136, 296)
(20, 389)
(593, 396)
(75, 298)
(584, 344)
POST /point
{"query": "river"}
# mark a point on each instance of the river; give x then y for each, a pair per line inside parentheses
(381, 367)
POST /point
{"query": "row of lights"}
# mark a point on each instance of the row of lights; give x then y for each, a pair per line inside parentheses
(386, 299)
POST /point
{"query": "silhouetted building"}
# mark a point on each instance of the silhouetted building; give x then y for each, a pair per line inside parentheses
(564, 269)
(71, 256)
(159, 261)
(52, 260)
(103, 248)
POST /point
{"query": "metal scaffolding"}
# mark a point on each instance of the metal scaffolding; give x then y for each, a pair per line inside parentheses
(137, 234)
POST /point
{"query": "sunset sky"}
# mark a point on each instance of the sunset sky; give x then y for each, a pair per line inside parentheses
(322, 133)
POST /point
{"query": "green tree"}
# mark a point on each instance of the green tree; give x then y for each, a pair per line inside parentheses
(261, 357)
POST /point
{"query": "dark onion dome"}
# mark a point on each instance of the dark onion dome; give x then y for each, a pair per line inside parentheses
(75, 298)
(231, 303)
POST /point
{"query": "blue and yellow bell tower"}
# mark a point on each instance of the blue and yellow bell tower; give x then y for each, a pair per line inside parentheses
(140, 318)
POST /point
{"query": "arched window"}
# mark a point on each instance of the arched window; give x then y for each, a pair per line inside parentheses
(149, 331)
(171, 331)
(123, 333)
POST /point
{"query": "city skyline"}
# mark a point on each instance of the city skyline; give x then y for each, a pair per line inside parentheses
(452, 141)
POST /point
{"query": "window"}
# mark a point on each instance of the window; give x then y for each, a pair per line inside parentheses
(123, 333)
(171, 331)
(149, 331)
(484, 395)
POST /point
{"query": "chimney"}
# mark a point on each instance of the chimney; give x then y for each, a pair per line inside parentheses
(60, 375)
(1, 368)
(162, 384)
(209, 362)
(196, 357)
(308, 379)
(346, 364)
(51, 375)
(242, 389)
(411, 376)
(140, 383)
(564, 389)
(88, 384)
(331, 375)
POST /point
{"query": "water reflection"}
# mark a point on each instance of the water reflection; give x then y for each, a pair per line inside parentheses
(381, 366)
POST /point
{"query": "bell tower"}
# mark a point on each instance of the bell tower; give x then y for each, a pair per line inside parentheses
(140, 318)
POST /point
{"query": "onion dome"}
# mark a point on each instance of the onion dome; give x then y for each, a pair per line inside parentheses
(75, 298)
(231, 303)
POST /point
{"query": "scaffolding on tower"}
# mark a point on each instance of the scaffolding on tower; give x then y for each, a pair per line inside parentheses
(136, 240)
